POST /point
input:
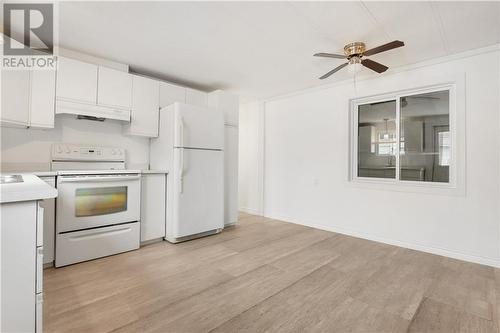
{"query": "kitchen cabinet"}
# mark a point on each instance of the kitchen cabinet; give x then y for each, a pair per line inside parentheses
(21, 274)
(28, 98)
(15, 97)
(145, 107)
(227, 103)
(153, 206)
(170, 93)
(196, 97)
(230, 175)
(43, 90)
(76, 81)
(49, 223)
(114, 88)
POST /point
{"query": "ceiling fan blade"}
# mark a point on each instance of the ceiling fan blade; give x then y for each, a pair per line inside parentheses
(383, 48)
(373, 65)
(330, 55)
(336, 69)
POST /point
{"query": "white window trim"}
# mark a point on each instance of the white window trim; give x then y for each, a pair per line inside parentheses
(454, 186)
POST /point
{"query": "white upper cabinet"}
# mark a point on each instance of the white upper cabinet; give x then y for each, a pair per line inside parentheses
(145, 107)
(114, 88)
(15, 97)
(196, 97)
(28, 98)
(170, 93)
(76, 81)
(43, 90)
(227, 103)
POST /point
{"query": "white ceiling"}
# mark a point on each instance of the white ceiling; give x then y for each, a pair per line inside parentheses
(262, 49)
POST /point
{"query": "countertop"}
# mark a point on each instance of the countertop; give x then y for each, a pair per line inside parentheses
(54, 173)
(32, 188)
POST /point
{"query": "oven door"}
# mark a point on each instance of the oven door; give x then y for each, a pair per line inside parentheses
(89, 201)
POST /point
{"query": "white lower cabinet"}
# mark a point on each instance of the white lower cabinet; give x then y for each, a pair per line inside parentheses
(49, 223)
(153, 206)
(21, 272)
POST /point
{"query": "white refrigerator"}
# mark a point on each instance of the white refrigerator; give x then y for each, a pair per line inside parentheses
(190, 146)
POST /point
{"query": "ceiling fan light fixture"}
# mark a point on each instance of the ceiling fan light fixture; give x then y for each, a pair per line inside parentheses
(355, 54)
(354, 65)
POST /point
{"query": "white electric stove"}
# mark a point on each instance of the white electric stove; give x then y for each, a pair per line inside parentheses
(98, 206)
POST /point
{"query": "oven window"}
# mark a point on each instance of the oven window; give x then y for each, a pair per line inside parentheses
(100, 201)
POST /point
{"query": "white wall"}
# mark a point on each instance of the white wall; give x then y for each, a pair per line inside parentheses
(306, 165)
(29, 149)
(250, 158)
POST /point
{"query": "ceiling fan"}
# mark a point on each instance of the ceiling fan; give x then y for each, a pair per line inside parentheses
(354, 53)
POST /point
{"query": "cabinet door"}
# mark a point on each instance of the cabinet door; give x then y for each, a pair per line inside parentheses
(170, 93)
(196, 97)
(76, 81)
(230, 175)
(145, 110)
(18, 257)
(114, 88)
(43, 91)
(15, 97)
(49, 224)
(153, 206)
(227, 103)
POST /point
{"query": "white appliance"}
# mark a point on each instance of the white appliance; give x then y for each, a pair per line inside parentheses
(98, 207)
(190, 146)
(90, 111)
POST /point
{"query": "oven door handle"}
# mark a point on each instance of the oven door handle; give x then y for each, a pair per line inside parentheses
(64, 179)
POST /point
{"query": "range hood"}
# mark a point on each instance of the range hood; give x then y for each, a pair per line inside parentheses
(91, 110)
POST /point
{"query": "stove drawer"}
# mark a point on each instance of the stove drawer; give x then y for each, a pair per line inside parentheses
(73, 247)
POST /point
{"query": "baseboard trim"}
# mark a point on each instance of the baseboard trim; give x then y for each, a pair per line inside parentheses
(413, 246)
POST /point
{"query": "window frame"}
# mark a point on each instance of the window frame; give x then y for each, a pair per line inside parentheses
(396, 96)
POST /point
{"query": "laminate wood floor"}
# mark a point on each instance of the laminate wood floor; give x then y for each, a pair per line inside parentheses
(265, 275)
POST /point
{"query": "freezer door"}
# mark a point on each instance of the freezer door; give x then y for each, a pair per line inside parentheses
(198, 198)
(197, 127)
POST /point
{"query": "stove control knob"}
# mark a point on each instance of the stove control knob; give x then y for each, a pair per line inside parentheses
(113, 152)
(59, 149)
(68, 150)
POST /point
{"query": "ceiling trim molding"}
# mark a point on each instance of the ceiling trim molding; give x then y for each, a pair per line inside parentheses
(392, 71)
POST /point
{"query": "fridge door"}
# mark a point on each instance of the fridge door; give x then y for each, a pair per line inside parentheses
(198, 196)
(197, 127)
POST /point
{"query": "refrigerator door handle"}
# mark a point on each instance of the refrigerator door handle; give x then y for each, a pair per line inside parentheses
(181, 170)
(181, 151)
(181, 131)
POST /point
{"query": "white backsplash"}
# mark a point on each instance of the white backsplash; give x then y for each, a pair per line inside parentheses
(29, 149)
